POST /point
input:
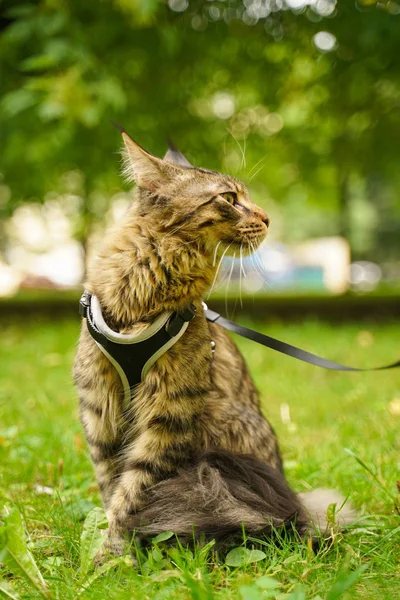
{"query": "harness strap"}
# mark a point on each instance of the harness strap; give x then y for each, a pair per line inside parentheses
(133, 355)
(283, 347)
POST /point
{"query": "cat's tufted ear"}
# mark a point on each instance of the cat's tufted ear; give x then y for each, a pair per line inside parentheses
(174, 156)
(147, 170)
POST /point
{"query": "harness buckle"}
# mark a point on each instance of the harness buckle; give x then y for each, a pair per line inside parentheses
(84, 304)
(177, 320)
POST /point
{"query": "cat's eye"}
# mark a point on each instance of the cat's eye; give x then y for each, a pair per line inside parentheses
(230, 197)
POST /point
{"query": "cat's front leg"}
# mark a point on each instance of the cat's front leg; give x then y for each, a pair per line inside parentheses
(104, 447)
(128, 498)
(154, 456)
(100, 412)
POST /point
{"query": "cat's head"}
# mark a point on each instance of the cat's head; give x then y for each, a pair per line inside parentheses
(192, 203)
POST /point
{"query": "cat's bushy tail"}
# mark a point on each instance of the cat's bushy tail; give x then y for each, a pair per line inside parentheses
(218, 495)
(316, 503)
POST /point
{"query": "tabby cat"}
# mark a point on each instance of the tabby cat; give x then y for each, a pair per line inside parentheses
(192, 452)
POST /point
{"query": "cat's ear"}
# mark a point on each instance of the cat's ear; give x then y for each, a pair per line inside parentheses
(174, 156)
(147, 170)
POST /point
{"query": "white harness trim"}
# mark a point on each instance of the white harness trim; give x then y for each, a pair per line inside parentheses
(132, 338)
(125, 338)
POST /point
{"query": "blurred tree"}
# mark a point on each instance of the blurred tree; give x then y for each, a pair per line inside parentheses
(311, 86)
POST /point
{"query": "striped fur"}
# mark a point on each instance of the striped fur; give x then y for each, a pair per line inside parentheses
(194, 426)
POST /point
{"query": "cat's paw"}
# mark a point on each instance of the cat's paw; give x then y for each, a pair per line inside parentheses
(115, 546)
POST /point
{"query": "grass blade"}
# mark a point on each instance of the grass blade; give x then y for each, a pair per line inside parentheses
(15, 554)
(373, 475)
(92, 538)
(115, 562)
(8, 592)
(343, 582)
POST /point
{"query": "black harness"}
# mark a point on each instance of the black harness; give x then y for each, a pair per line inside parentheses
(133, 355)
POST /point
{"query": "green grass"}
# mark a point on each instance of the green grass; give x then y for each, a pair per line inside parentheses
(47, 476)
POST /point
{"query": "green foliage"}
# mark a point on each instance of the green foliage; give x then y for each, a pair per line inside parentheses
(18, 558)
(92, 538)
(15, 554)
(344, 581)
(7, 591)
(318, 128)
(239, 557)
(162, 537)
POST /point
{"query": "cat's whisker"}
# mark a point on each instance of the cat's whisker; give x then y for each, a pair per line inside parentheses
(256, 173)
(240, 275)
(243, 165)
(258, 260)
(260, 269)
(256, 165)
(215, 253)
(243, 162)
(223, 278)
(257, 270)
(241, 262)
(218, 268)
(258, 170)
(190, 241)
(173, 231)
(228, 282)
(250, 250)
(253, 260)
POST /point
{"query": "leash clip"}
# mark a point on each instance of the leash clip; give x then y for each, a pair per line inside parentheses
(84, 304)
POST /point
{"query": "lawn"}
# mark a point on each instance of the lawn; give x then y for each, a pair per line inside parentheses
(48, 489)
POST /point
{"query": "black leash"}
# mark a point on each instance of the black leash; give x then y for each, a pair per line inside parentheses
(283, 347)
(133, 355)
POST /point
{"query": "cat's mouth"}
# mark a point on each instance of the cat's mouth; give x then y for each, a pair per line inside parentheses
(246, 245)
(249, 237)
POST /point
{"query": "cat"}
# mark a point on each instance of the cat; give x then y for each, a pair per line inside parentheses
(192, 453)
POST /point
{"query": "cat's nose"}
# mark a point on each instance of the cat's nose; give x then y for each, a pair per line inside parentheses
(264, 218)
